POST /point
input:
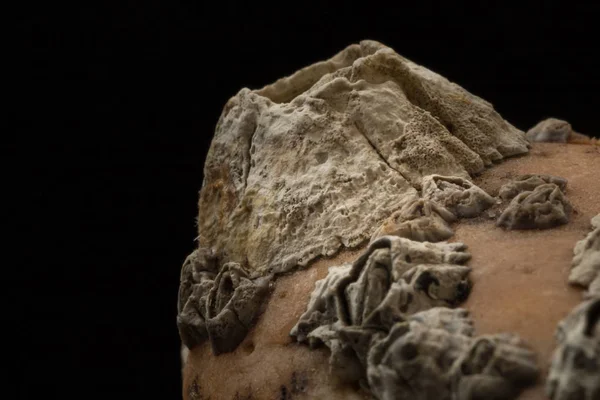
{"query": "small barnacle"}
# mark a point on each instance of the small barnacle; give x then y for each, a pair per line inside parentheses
(544, 207)
(217, 306)
(456, 194)
(428, 362)
(575, 369)
(418, 219)
(586, 261)
(529, 182)
(550, 130)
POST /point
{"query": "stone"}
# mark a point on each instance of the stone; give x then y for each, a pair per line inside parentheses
(290, 173)
(369, 151)
(519, 286)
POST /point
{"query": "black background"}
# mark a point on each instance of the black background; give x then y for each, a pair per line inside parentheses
(107, 161)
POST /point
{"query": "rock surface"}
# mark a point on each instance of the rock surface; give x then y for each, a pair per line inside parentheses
(364, 145)
(519, 285)
(315, 162)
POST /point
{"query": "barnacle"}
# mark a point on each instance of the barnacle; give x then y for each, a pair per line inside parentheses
(458, 195)
(529, 182)
(420, 361)
(395, 278)
(217, 306)
(544, 207)
(586, 261)
(550, 130)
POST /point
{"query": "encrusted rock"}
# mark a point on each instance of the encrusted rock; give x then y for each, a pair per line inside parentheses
(427, 362)
(217, 306)
(317, 161)
(586, 262)
(544, 207)
(529, 182)
(575, 370)
(458, 195)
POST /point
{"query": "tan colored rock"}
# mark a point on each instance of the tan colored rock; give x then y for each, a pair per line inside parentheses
(290, 173)
(364, 145)
(519, 285)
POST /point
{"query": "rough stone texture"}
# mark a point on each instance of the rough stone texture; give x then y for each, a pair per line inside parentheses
(575, 370)
(217, 306)
(544, 207)
(316, 161)
(458, 195)
(529, 182)
(422, 361)
(586, 262)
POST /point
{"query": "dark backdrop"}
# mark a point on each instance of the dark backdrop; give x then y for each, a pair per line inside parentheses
(115, 130)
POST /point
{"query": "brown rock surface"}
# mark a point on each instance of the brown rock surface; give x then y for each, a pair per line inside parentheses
(520, 286)
(520, 277)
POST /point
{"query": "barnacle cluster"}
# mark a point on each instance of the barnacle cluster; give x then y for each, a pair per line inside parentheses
(387, 321)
